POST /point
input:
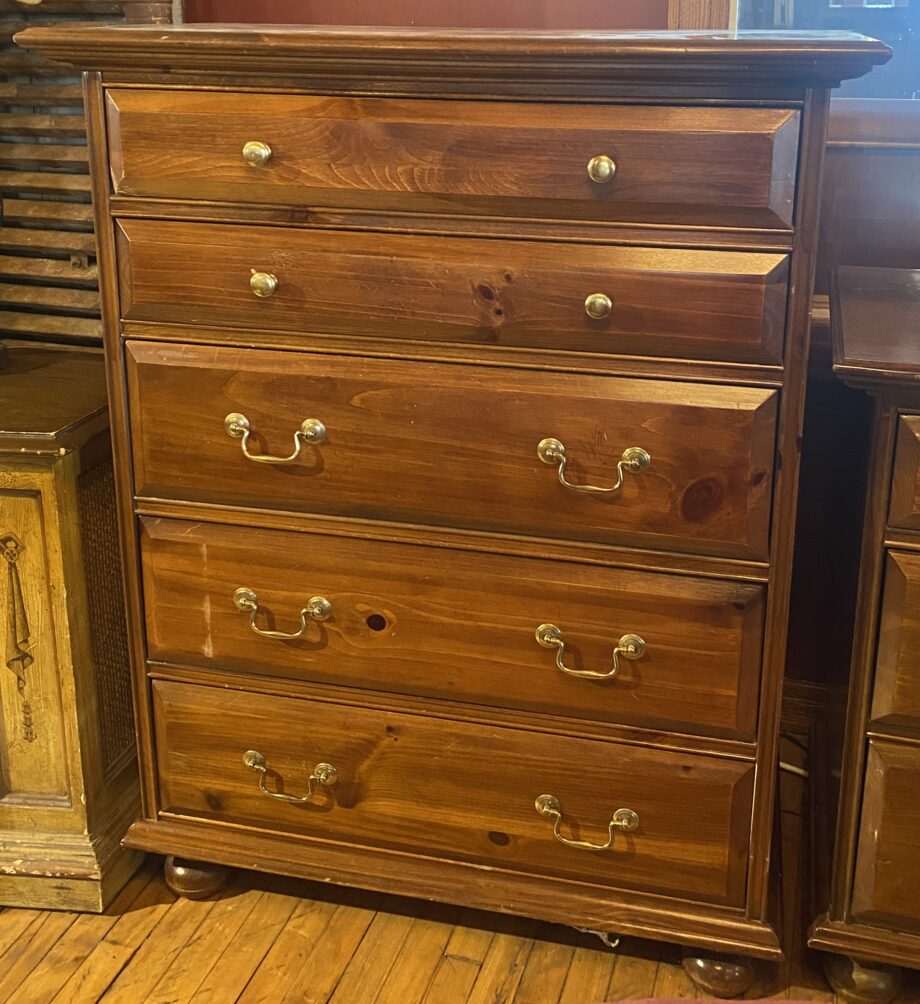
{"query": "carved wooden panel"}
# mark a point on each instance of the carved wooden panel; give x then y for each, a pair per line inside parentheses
(30, 700)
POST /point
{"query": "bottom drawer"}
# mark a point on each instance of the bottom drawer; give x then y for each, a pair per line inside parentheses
(888, 857)
(458, 791)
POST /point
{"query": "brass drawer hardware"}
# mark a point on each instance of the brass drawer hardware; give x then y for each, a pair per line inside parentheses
(311, 431)
(256, 153)
(622, 821)
(601, 169)
(263, 283)
(630, 646)
(598, 306)
(634, 460)
(318, 608)
(324, 776)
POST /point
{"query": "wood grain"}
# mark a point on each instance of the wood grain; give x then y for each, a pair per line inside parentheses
(904, 508)
(399, 777)
(460, 627)
(698, 304)
(677, 164)
(461, 442)
(896, 700)
(887, 864)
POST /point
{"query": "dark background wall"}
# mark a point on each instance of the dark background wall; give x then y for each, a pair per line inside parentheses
(438, 13)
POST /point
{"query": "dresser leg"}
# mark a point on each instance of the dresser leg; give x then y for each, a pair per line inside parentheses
(862, 982)
(193, 879)
(718, 975)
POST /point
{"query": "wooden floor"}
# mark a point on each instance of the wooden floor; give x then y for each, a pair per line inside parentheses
(271, 940)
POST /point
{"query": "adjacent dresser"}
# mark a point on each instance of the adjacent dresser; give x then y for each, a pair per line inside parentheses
(457, 380)
(874, 910)
(68, 774)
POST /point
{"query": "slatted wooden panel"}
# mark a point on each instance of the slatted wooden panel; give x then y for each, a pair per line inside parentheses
(48, 286)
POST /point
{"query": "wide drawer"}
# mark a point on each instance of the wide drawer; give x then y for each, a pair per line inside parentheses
(888, 858)
(904, 508)
(682, 653)
(458, 791)
(702, 304)
(456, 445)
(896, 699)
(732, 167)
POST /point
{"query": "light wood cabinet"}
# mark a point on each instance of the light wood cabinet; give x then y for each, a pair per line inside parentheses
(68, 776)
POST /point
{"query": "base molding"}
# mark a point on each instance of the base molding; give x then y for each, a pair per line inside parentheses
(558, 901)
(861, 941)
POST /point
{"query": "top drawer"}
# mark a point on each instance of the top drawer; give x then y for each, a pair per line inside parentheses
(732, 167)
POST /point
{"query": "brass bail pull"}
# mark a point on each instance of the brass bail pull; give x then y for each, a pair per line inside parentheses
(630, 646)
(622, 821)
(311, 431)
(633, 460)
(324, 775)
(318, 608)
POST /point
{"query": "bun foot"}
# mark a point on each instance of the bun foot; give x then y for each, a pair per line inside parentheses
(862, 982)
(718, 975)
(193, 879)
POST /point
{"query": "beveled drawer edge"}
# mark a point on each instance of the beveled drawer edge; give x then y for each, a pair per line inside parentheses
(639, 559)
(496, 871)
(431, 707)
(686, 237)
(893, 733)
(634, 913)
(766, 375)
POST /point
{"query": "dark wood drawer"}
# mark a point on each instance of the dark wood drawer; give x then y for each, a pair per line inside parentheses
(905, 482)
(888, 859)
(896, 699)
(457, 445)
(458, 791)
(732, 167)
(701, 304)
(458, 625)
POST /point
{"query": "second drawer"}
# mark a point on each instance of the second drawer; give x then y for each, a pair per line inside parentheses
(685, 465)
(637, 301)
(684, 652)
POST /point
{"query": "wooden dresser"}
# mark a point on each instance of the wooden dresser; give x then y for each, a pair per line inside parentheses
(874, 911)
(457, 381)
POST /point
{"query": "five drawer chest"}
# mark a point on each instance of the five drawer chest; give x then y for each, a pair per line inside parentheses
(456, 385)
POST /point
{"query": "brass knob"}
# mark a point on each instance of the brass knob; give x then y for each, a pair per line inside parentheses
(601, 169)
(257, 154)
(263, 283)
(598, 306)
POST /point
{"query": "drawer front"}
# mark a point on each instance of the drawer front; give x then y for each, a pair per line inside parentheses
(458, 625)
(458, 791)
(733, 167)
(701, 304)
(905, 483)
(456, 445)
(888, 859)
(896, 699)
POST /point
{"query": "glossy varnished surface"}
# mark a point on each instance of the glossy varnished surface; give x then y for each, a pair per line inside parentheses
(877, 325)
(457, 445)
(462, 792)
(712, 166)
(896, 698)
(697, 304)
(459, 627)
(454, 57)
(887, 862)
(46, 393)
